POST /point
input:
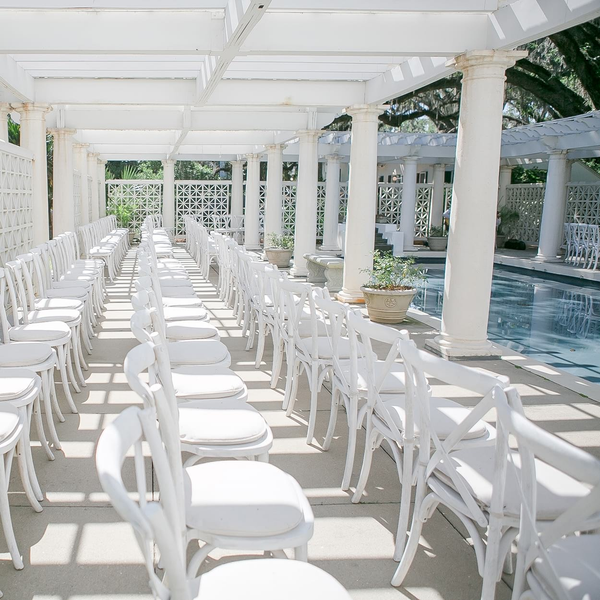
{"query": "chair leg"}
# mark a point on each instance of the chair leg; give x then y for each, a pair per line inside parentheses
(301, 553)
(277, 360)
(291, 401)
(314, 401)
(9, 533)
(62, 365)
(372, 441)
(70, 371)
(39, 426)
(352, 434)
(24, 454)
(260, 348)
(54, 398)
(47, 385)
(76, 356)
(335, 403)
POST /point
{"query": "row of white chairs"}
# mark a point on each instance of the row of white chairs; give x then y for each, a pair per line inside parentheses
(445, 453)
(582, 245)
(200, 406)
(50, 301)
(103, 240)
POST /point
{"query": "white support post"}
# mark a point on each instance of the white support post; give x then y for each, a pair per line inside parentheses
(101, 169)
(33, 138)
(81, 164)
(332, 204)
(553, 211)
(168, 212)
(237, 188)
(63, 209)
(504, 182)
(305, 238)
(409, 201)
(437, 201)
(362, 201)
(274, 199)
(4, 112)
(470, 258)
(92, 158)
(251, 213)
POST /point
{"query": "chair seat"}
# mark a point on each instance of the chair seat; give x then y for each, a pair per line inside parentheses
(15, 383)
(393, 382)
(268, 579)
(188, 301)
(67, 292)
(220, 422)
(185, 313)
(242, 498)
(190, 330)
(174, 291)
(209, 382)
(53, 303)
(199, 352)
(9, 420)
(23, 354)
(445, 416)
(71, 283)
(556, 491)
(576, 561)
(324, 347)
(54, 314)
(40, 332)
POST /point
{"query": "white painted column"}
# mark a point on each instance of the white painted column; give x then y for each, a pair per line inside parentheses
(553, 211)
(332, 204)
(101, 169)
(4, 111)
(63, 205)
(168, 211)
(409, 201)
(437, 200)
(251, 212)
(504, 182)
(81, 164)
(92, 158)
(470, 258)
(305, 238)
(274, 199)
(33, 138)
(362, 201)
(237, 188)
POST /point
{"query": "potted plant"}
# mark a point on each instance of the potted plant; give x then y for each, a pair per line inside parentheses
(124, 212)
(505, 221)
(436, 240)
(391, 287)
(280, 249)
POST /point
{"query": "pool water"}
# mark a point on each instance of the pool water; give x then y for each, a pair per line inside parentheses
(553, 322)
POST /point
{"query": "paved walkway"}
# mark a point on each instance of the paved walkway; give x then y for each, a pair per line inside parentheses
(78, 548)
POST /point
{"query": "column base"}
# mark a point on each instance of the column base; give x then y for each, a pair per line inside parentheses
(333, 249)
(294, 272)
(460, 349)
(551, 259)
(253, 247)
(351, 296)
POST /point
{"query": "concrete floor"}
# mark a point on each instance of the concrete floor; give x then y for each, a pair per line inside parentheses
(78, 548)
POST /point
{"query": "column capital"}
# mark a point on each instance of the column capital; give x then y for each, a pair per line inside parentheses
(275, 147)
(440, 166)
(5, 108)
(32, 109)
(477, 64)
(557, 154)
(309, 134)
(238, 162)
(411, 160)
(331, 158)
(102, 161)
(93, 154)
(252, 157)
(366, 112)
(80, 146)
(61, 132)
(168, 162)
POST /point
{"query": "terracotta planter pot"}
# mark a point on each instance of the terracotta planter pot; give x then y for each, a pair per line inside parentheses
(437, 244)
(279, 257)
(388, 306)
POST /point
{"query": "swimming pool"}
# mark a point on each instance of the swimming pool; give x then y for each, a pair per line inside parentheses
(554, 322)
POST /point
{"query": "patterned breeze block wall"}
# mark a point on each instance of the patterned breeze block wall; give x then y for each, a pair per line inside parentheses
(16, 202)
(583, 203)
(136, 198)
(528, 200)
(203, 199)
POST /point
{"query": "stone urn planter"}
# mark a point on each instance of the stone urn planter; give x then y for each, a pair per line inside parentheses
(279, 257)
(500, 241)
(131, 235)
(437, 244)
(388, 306)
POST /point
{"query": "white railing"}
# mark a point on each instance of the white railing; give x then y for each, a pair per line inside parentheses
(528, 200)
(133, 200)
(16, 201)
(583, 203)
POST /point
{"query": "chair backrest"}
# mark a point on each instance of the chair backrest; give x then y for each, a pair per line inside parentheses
(432, 450)
(535, 443)
(153, 522)
(298, 304)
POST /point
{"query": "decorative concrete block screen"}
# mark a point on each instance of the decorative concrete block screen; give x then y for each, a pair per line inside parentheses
(77, 197)
(390, 205)
(528, 200)
(583, 203)
(16, 202)
(203, 199)
(133, 200)
(289, 207)
(89, 192)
